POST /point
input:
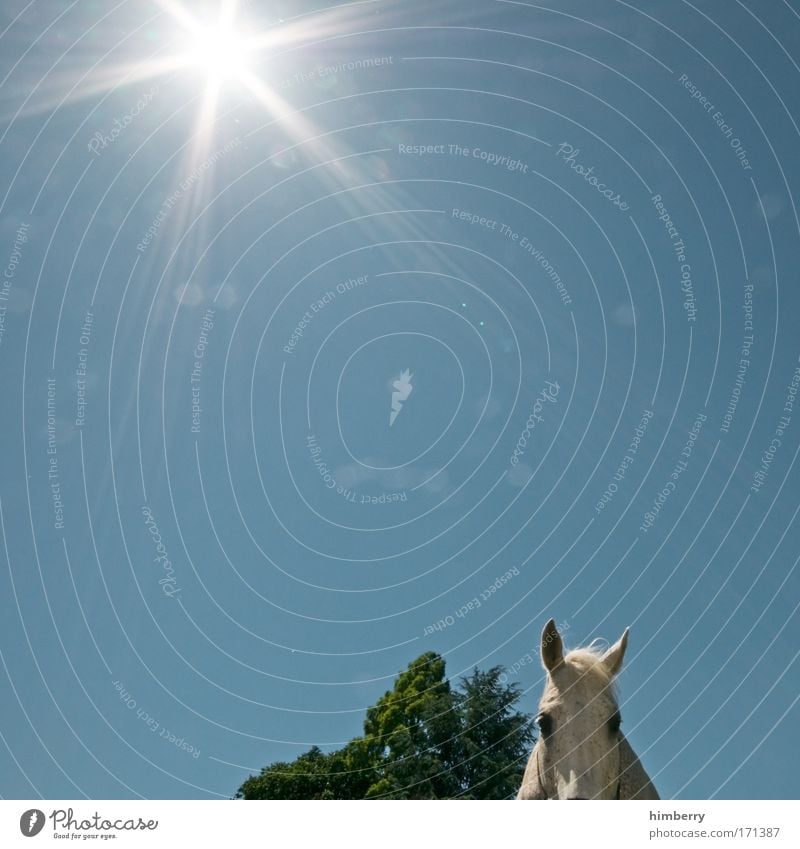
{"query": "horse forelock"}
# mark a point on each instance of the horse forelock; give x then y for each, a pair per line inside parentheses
(587, 661)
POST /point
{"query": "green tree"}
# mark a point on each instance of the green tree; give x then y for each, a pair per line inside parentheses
(412, 730)
(495, 739)
(345, 774)
(422, 740)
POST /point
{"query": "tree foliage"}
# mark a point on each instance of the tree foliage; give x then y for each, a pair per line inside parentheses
(422, 740)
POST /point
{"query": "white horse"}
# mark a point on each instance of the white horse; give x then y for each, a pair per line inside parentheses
(581, 752)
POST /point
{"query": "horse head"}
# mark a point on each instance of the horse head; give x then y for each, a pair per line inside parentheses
(581, 752)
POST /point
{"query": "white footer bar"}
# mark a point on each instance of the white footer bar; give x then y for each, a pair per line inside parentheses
(398, 825)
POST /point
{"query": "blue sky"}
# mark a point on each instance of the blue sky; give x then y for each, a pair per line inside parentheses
(572, 224)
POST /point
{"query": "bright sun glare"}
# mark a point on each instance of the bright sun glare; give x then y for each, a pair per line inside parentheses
(221, 52)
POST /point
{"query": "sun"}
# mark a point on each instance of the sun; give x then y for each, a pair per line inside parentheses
(218, 43)
(229, 52)
(220, 51)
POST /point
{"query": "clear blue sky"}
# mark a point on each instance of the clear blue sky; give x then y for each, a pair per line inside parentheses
(572, 223)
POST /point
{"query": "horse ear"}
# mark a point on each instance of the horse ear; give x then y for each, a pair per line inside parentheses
(552, 647)
(612, 659)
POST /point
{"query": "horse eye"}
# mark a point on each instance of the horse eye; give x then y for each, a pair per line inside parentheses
(545, 723)
(614, 723)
